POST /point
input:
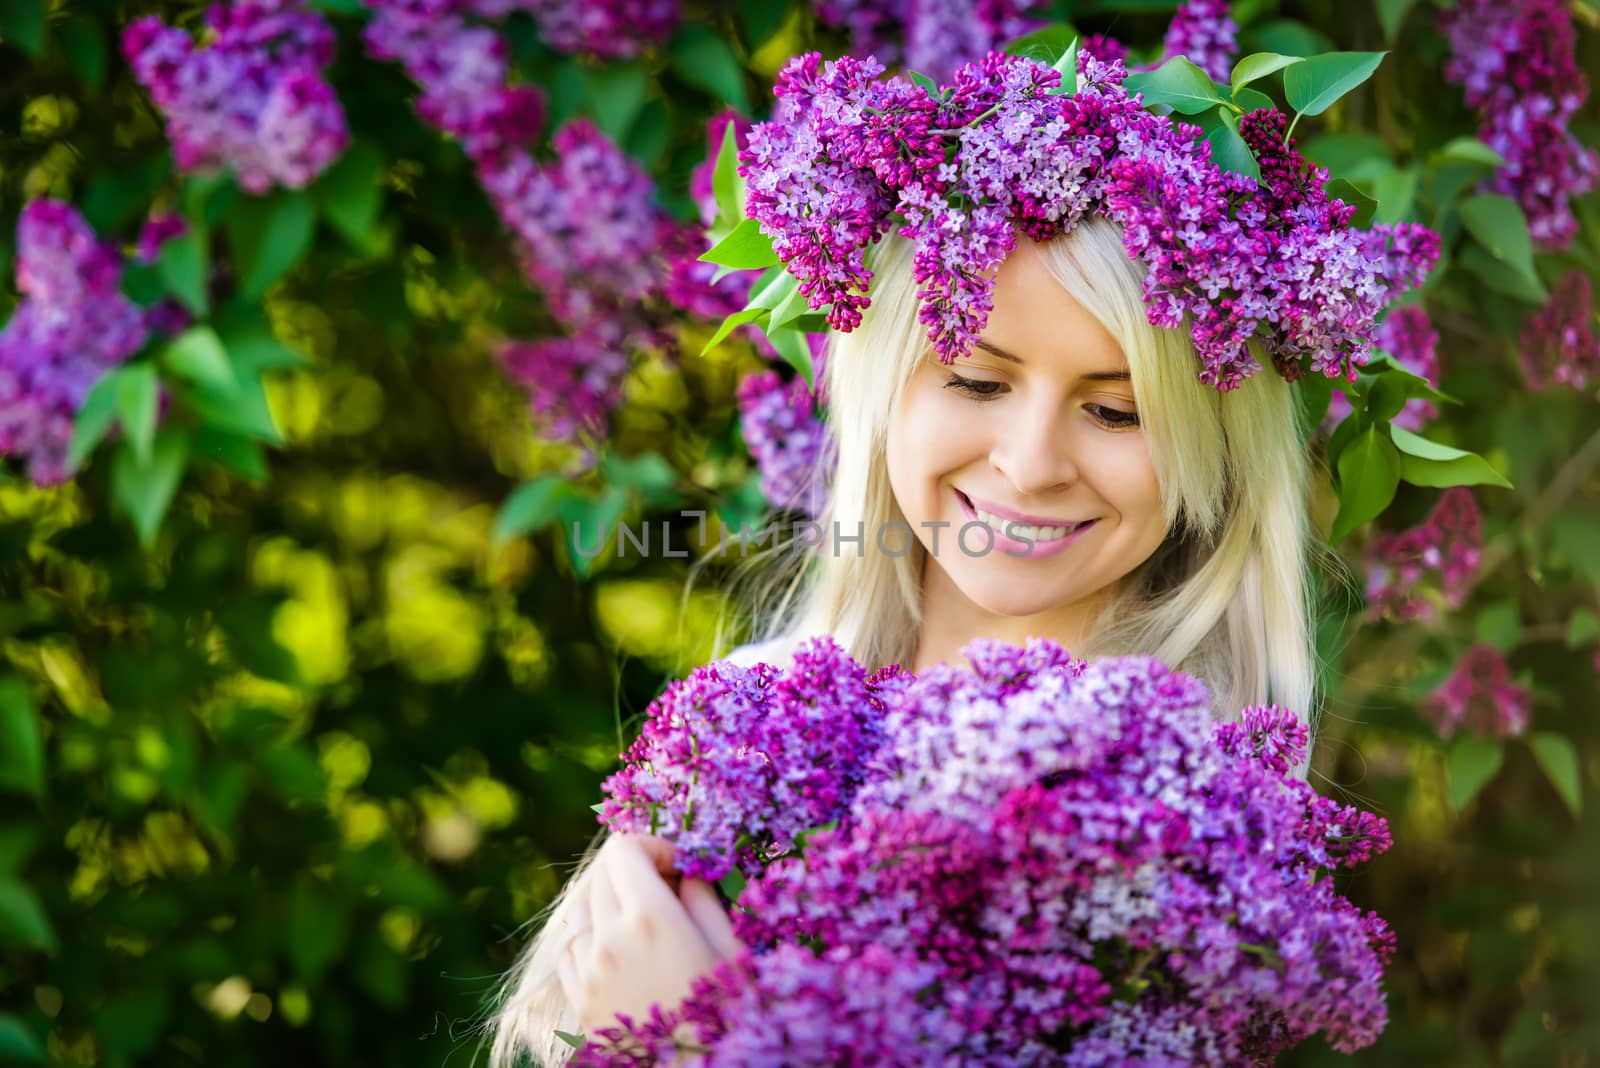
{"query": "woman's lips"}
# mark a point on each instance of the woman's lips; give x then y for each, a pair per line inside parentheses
(1035, 549)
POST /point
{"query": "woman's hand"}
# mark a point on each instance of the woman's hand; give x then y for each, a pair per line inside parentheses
(639, 939)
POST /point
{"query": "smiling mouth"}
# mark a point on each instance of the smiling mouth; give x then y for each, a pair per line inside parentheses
(1010, 528)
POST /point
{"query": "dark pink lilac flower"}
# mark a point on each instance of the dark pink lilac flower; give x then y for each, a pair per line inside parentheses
(1203, 32)
(1034, 861)
(1516, 60)
(72, 325)
(1412, 574)
(252, 99)
(1559, 344)
(847, 155)
(1480, 697)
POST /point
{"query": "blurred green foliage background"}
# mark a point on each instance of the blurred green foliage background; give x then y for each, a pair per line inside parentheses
(283, 784)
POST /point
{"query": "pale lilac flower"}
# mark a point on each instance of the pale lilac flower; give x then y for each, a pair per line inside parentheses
(1203, 32)
(252, 99)
(791, 444)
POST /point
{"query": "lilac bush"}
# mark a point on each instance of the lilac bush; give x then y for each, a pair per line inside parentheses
(788, 440)
(252, 99)
(1480, 697)
(1559, 343)
(1204, 32)
(1044, 862)
(1414, 573)
(1408, 335)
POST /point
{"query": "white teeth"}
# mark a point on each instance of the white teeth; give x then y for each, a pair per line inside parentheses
(1012, 528)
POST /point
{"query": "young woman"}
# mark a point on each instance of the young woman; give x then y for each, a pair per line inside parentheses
(1132, 509)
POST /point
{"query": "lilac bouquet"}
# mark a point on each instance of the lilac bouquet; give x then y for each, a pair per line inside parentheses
(1029, 861)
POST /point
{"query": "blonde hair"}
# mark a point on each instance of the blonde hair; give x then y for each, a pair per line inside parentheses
(1225, 598)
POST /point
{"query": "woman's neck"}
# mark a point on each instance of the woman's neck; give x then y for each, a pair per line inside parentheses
(950, 621)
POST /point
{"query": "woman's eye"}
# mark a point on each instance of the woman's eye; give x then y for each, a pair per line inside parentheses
(1113, 417)
(973, 387)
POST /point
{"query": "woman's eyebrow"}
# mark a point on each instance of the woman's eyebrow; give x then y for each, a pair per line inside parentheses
(1093, 376)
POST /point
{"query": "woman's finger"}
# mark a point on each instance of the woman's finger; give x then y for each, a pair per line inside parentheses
(604, 904)
(635, 878)
(705, 909)
(569, 976)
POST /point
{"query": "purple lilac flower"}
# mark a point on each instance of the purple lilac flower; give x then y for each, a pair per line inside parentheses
(848, 155)
(1203, 32)
(253, 99)
(1479, 696)
(1559, 345)
(790, 443)
(1411, 574)
(1048, 862)
(933, 37)
(72, 325)
(1517, 63)
(731, 752)
(1408, 335)
(609, 29)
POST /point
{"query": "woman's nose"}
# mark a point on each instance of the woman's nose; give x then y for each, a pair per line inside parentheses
(1034, 451)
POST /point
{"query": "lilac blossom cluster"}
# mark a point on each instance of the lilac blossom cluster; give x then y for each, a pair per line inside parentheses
(1035, 860)
(1517, 62)
(608, 29)
(72, 325)
(1408, 335)
(589, 232)
(1559, 345)
(1204, 32)
(848, 155)
(252, 99)
(933, 37)
(789, 441)
(1413, 573)
(1480, 697)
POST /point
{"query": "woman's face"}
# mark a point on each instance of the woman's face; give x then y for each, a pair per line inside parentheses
(1037, 423)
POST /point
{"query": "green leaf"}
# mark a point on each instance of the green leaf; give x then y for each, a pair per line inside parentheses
(17, 1043)
(1499, 624)
(317, 931)
(350, 193)
(1313, 86)
(615, 94)
(198, 355)
(1416, 387)
(732, 884)
(94, 419)
(1369, 473)
(1178, 84)
(1289, 37)
(269, 237)
(1396, 191)
(243, 411)
(22, 25)
(1471, 761)
(21, 742)
(138, 405)
(236, 452)
(1067, 66)
(726, 185)
(1582, 628)
(183, 264)
(144, 491)
(705, 60)
(1365, 206)
(1259, 65)
(1559, 759)
(1500, 276)
(745, 248)
(732, 323)
(22, 919)
(1348, 151)
(646, 472)
(1253, 99)
(922, 81)
(1468, 150)
(1385, 399)
(1316, 394)
(1044, 45)
(1391, 14)
(598, 517)
(84, 46)
(796, 352)
(530, 507)
(1228, 148)
(576, 1041)
(1428, 463)
(1497, 222)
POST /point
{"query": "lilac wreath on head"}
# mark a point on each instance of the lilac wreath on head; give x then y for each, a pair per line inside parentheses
(958, 169)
